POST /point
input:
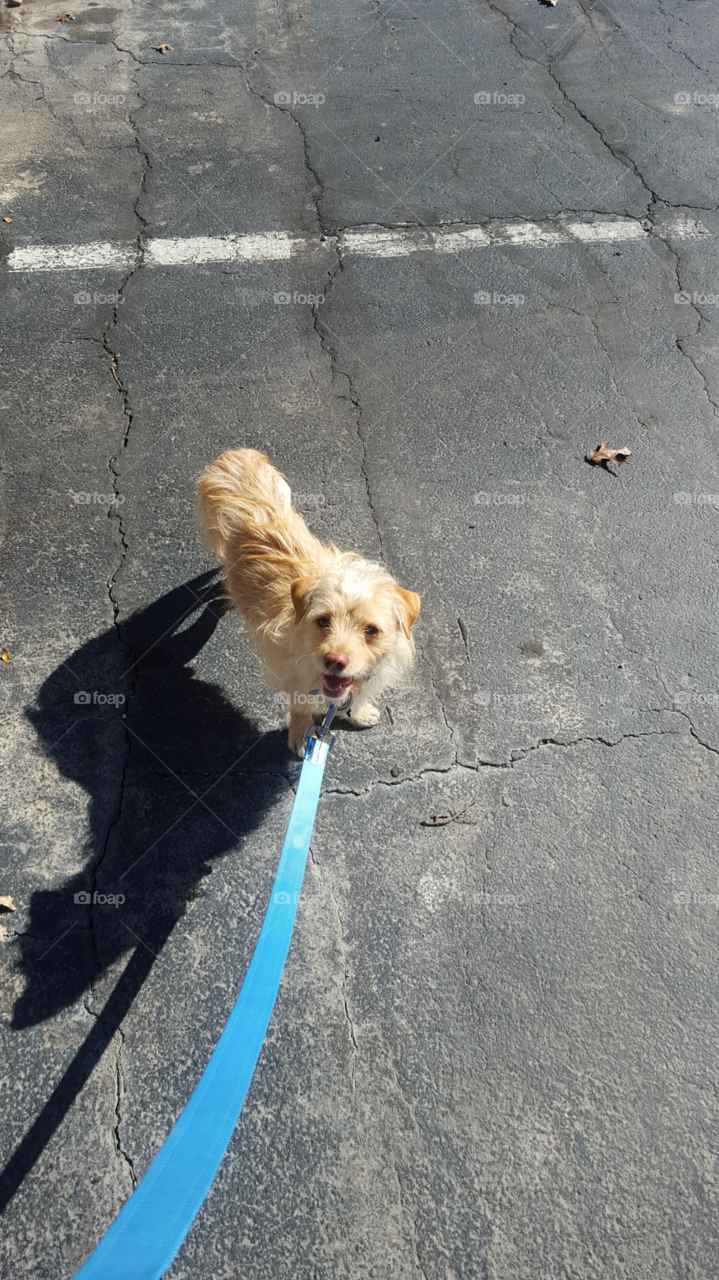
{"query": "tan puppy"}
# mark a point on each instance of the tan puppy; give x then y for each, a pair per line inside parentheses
(321, 620)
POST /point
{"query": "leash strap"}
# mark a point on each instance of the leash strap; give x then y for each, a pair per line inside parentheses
(149, 1229)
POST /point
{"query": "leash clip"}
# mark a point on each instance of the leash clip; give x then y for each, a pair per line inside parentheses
(321, 732)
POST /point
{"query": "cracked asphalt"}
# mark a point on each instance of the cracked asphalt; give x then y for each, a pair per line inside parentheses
(494, 1051)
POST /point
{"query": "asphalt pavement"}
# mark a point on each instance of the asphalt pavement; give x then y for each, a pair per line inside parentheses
(426, 256)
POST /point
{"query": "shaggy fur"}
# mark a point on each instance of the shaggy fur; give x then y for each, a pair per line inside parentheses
(320, 618)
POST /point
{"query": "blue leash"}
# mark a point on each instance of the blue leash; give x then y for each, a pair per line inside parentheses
(149, 1229)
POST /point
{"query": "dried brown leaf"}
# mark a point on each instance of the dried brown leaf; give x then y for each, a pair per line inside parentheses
(162, 48)
(603, 454)
(8, 904)
(5, 655)
(65, 17)
(7, 219)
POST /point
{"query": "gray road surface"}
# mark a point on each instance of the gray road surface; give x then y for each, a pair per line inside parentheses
(494, 1053)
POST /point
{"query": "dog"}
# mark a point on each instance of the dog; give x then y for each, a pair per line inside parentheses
(325, 623)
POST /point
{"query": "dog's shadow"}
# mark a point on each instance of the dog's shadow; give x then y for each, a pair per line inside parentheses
(168, 793)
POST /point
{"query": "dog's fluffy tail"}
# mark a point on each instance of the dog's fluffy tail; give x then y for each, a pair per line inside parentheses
(239, 492)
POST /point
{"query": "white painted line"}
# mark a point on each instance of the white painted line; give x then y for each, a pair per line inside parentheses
(458, 241)
(603, 232)
(528, 233)
(369, 242)
(382, 243)
(73, 257)
(544, 235)
(273, 246)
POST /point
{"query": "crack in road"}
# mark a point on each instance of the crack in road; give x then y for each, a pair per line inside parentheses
(518, 755)
(692, 306)
(622, 157)
(113, 1033)
(120, 1090)
(404, 1209)
(331, 240)
(115, 514)
(344, 954)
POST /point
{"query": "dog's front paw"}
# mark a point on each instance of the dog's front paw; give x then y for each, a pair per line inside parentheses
(365, 716)
(298, 726)
(296, 743)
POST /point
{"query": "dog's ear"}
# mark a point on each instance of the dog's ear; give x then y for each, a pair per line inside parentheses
(409, 604)
(299, 591)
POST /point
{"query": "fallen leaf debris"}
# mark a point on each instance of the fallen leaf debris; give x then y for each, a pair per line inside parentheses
(603, 454)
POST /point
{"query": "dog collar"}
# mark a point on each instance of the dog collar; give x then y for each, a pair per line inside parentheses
(346, 706)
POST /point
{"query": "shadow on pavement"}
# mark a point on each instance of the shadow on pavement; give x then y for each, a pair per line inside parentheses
(153, 836)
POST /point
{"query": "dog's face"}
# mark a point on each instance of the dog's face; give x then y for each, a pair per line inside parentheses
(349, 621)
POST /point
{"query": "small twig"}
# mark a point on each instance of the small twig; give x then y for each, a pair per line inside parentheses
(444, 819)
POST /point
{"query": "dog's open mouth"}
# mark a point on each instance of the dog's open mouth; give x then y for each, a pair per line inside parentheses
(336, 686)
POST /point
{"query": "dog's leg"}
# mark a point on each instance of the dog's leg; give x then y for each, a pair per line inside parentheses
(362, 712)
(300, 722)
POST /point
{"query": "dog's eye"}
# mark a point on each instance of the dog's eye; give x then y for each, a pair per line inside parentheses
(323, 623)
(371, 631)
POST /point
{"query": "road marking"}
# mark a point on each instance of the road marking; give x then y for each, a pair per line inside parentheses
(273, 246)
(367, 242)
(72, 257)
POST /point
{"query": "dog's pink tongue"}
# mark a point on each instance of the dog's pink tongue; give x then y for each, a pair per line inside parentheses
(334, 685)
